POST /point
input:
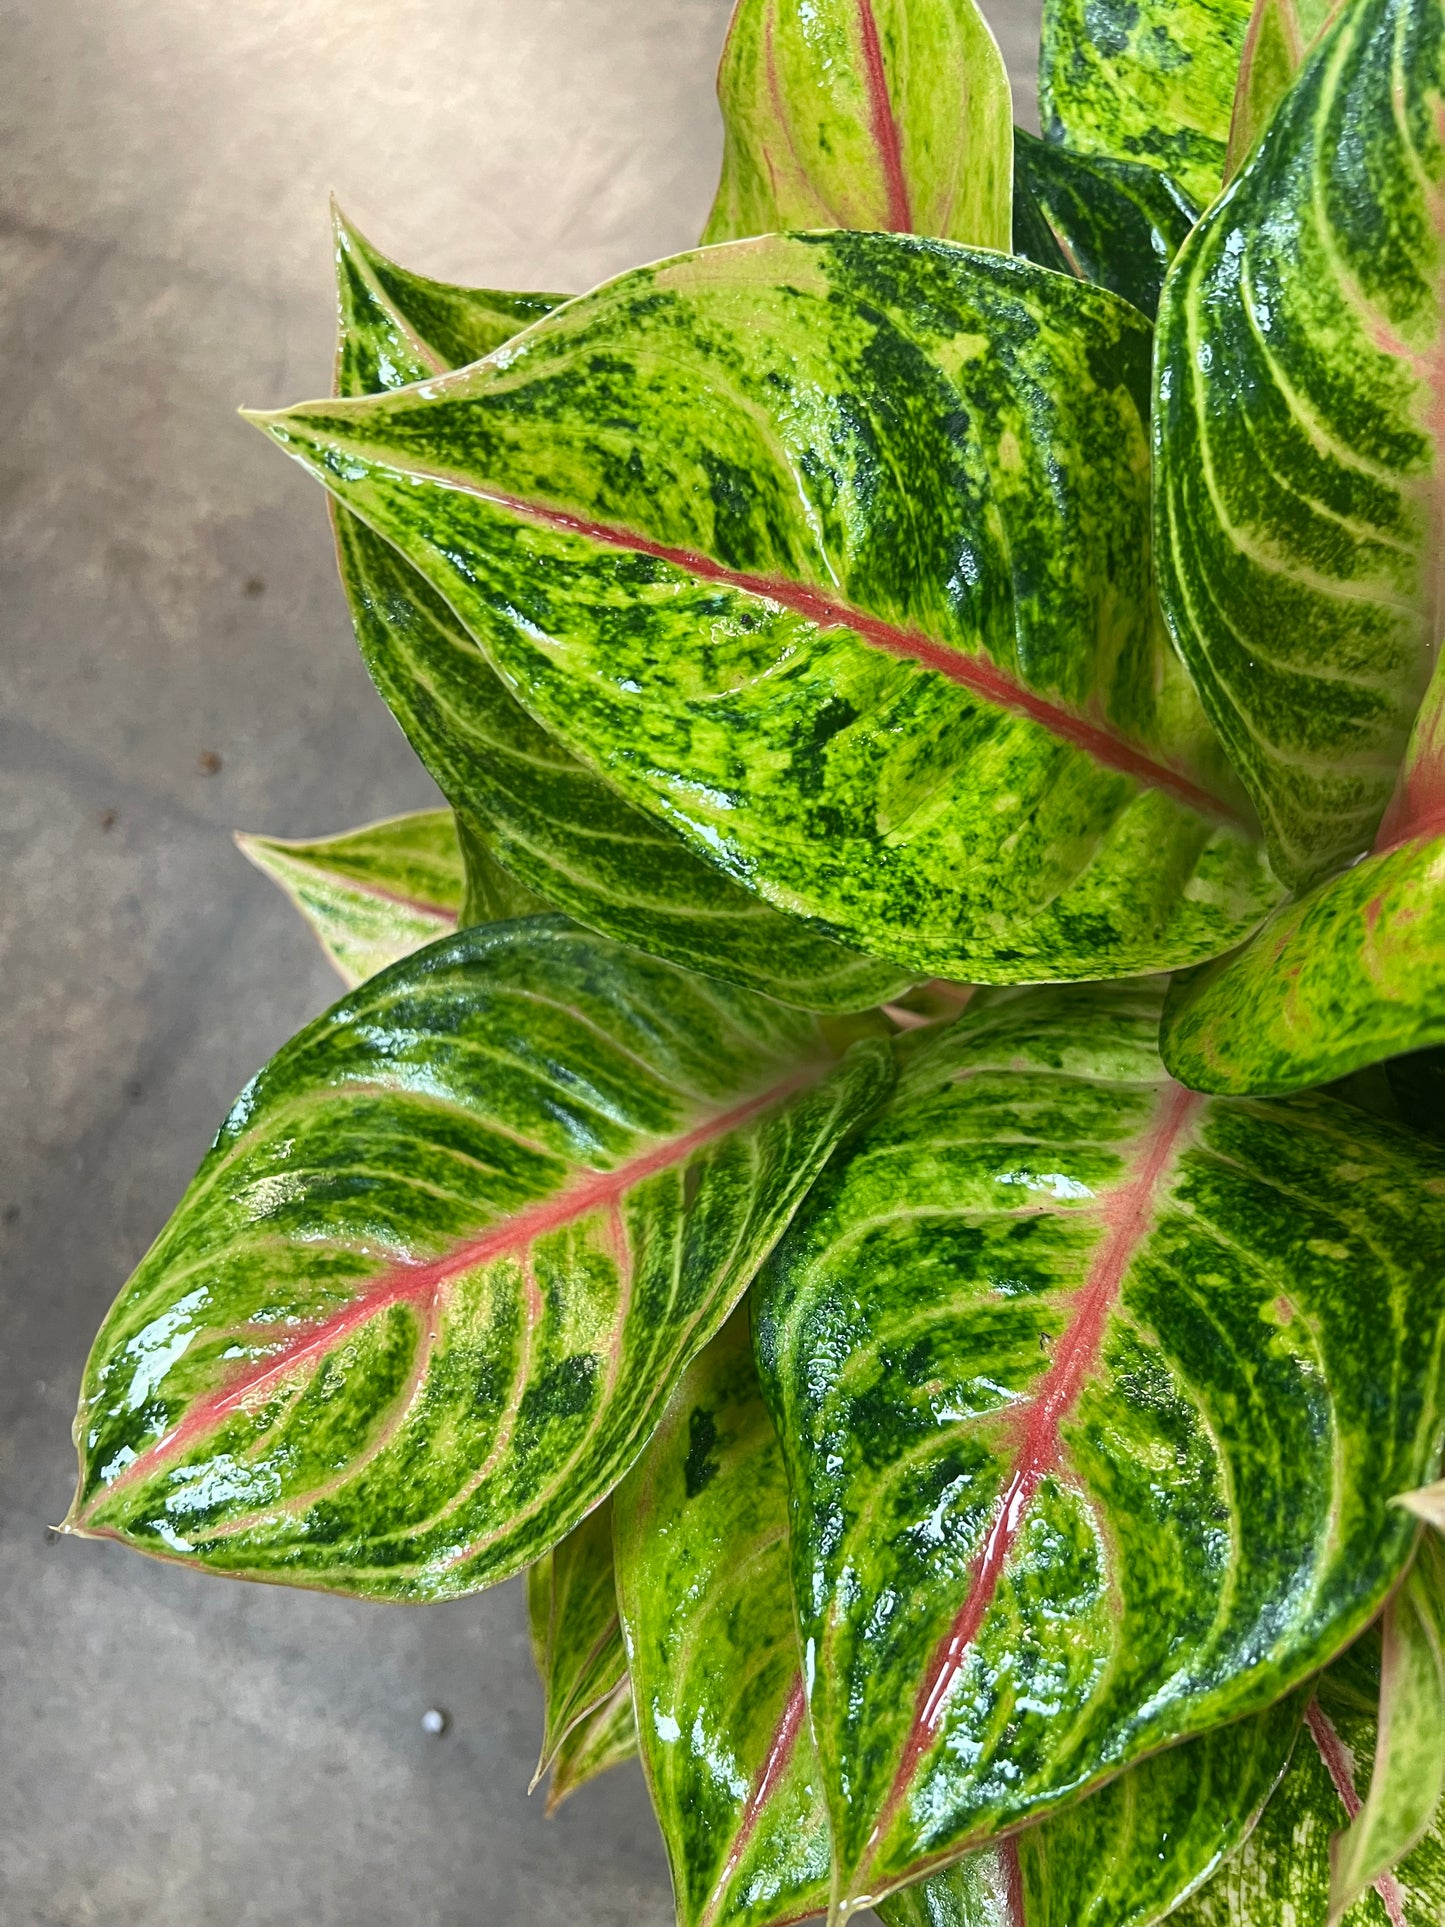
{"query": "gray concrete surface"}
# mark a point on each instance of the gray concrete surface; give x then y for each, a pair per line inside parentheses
(178, 1751)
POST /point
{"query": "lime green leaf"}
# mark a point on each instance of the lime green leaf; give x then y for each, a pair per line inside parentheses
(540, 815)
(431, 1288)
(576, 1633)
(1351, 973)
(702, 1578)
(1129, 1854)
(1281, 1876)
(1144, 80)
(605, 1738)
(884, 114)
(1409, 1772)
(370, 895)
(1279, 34)
(1093, 1393)
(1118, 223)
(1298, 422)
(830, 551)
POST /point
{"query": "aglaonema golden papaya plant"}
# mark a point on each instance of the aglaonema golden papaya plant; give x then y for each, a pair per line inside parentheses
(887, 1146)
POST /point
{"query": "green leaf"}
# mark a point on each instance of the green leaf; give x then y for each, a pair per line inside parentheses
(702, 1580)
(1093, 1394)
(576, 1633)
(1117, 223)
(1297, 423)
(1281, 1876)
(1416, 1084)
(493, 894)
(1280, 33)
(1351, 973)
(1144, 80)
(370, 895)
(546, 818)
(883, 114)
(1129, 1854)
(433, 1284)
(605, 1738)
(1409, 1772)
(830, 551)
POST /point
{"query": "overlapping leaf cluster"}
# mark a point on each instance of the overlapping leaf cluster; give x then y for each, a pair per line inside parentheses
(980, 1446)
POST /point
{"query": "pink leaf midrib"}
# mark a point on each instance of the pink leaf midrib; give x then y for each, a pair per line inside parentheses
(977, 674)
(883, 122)
(1038, 1426)
(424, 1283)
(1337, 1763)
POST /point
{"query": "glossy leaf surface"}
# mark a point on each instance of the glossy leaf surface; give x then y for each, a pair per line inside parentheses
(1093, 1394)
(1129, 1854)
(431, 1288)
(1117, 223)
(1144, 80)
(545, 818)
(1352, 972)
(1279, 34)
(1408, 1779)
(576, 1633)
(702, 1569)
(602, 1739)
(1281, 1876)
(1298, 429)
(371, 895)
(879, 114)
(852, 591)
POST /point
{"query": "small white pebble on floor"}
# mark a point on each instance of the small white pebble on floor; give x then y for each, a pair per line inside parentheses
(434, 1721)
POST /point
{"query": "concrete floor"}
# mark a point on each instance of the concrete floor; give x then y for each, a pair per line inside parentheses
(177, 1751)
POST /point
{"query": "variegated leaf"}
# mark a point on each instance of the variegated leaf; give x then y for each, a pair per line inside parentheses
(1298, 424)
(702, 1578)
(1408, 1779)
(1279, 34)
(1351, 973)
(604, 1738)
(1281, 1877)
(432, 1286)
(1094, 1393)
(576, 1633)
(547, 818)
(1118, 223)
(1427, 1504)
(371, 895)
(829, 551)
(882, 114)
(1145, 80)
(493, 894)
(1129, 1854)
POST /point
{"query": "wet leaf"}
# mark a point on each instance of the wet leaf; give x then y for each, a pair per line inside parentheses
(879, 114)
(576, 1633)
(702, 1571)
(371, 895)
(674, 516)
(434, 1282)
(1093, 1393)
(1144, 80)
(1298, 421)
(545, 818)
(1117, 223)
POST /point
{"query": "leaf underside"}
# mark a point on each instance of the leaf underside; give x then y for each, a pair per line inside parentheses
(1093, 1393)
(969, 751)
(371, 895)
(576, 1632)
(428, 1294)
(602, 1739)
